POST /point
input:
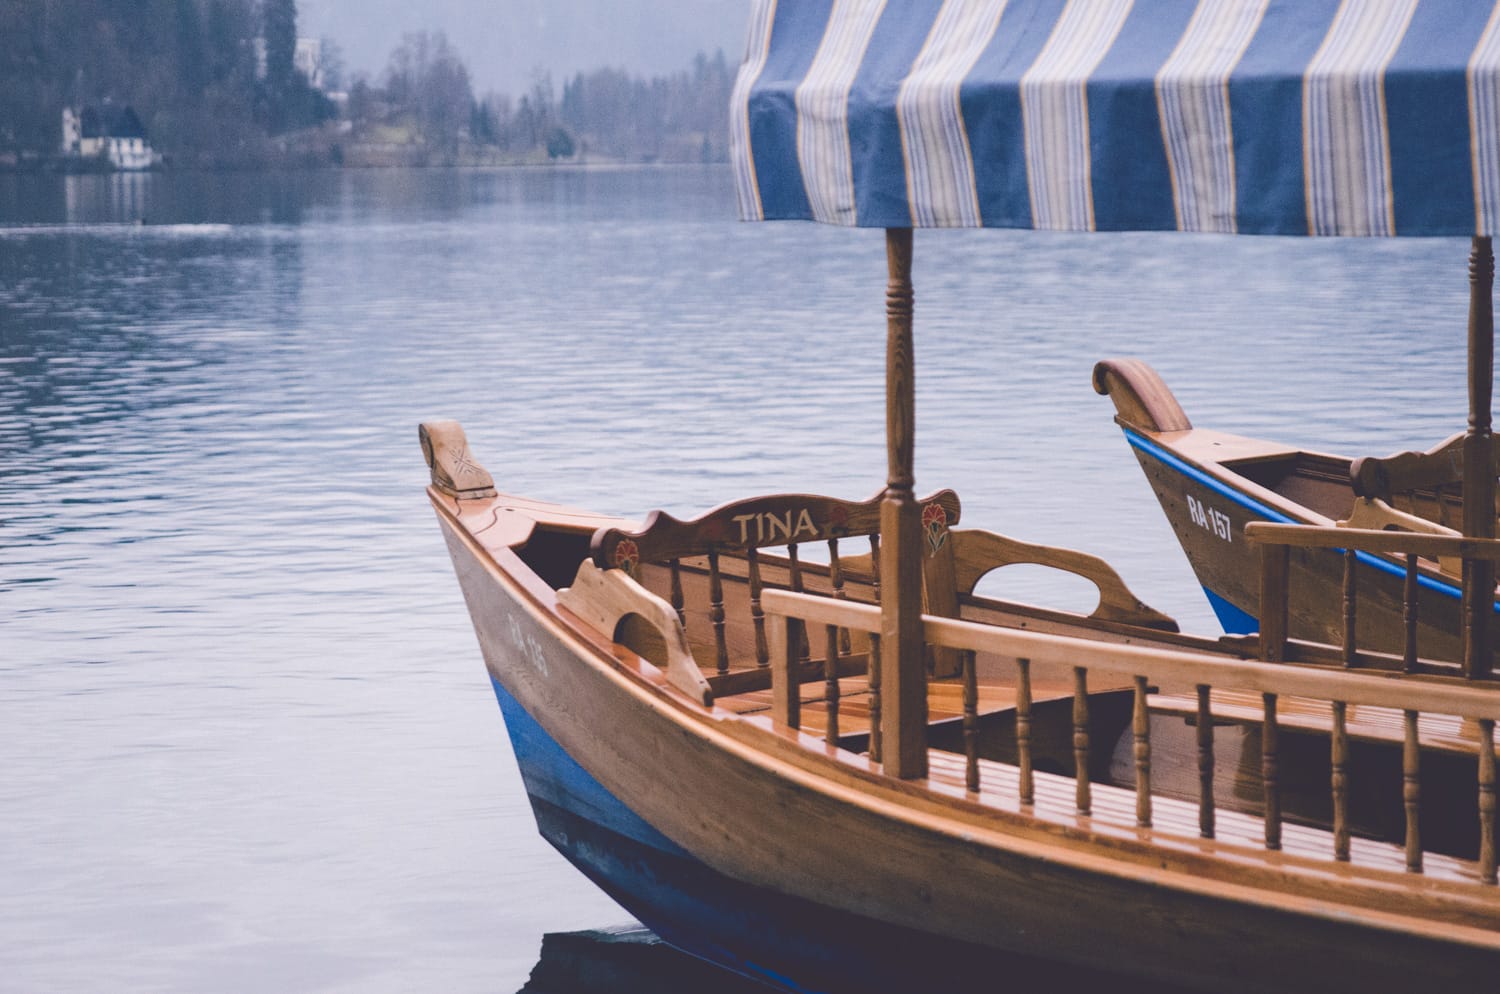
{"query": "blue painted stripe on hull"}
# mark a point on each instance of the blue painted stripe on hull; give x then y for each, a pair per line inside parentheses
(791, 943)
(551, 774)
(1201, 478)
(1232, 619)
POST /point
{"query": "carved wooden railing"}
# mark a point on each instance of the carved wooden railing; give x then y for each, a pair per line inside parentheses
(1276, 541)
(745, 528)
(1412, 696)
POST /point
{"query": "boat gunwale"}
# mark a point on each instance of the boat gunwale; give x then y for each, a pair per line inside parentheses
(1359, 894)
(1217, 474)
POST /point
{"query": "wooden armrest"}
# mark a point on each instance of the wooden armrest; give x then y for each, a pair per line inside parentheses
(602, 597)
(1374, 514)
(977, 553)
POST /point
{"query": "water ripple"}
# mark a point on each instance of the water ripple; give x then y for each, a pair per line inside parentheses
(247, 723)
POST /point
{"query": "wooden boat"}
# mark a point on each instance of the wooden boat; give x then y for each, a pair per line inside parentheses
(1212, 484)
(719, 777)
(856, 774)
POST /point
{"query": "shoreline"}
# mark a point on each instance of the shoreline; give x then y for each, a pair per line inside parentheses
(54, 167)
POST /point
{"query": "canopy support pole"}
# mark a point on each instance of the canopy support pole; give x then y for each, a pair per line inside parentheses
(1479, 460)
(903, 668)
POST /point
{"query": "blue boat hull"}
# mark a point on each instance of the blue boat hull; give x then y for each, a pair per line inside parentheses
(781, 940)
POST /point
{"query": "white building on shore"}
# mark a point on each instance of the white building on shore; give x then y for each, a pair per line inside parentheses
(110, 133)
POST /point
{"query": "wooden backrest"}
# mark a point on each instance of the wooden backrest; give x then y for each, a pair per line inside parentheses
(757, 523)
(1374, 514)
(743, 528)
(1438, 467)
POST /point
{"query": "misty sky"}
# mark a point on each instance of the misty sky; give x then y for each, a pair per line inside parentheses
(503, 41)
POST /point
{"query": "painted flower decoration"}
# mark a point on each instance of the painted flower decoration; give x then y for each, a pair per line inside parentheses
(935, 524)
(627, 554)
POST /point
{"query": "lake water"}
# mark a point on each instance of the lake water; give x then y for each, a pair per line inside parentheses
(248, 743)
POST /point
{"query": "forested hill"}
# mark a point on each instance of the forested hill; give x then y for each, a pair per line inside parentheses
(215, 83)
(190, 68)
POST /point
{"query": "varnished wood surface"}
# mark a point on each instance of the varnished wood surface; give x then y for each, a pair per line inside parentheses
(1370, 724)
(1114, 809)
(1441, 465)
(1231, 566)
(1480, 701)
(1141, 398)
(760, 522)
(1368, 540)
(903, 678)
(1319, 489)
(928, 857)
(601, 598)
(455, 472)
(977, 553)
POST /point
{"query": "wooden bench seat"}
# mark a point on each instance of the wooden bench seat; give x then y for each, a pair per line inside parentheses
(944, 701)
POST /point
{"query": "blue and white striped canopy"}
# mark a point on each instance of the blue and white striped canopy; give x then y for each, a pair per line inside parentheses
(1310, 117)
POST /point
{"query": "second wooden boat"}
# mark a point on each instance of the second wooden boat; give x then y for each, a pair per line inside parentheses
(1212, 485)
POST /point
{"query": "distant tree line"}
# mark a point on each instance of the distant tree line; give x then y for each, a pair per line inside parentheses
(215, 83)
(212, 80)
(606, 113)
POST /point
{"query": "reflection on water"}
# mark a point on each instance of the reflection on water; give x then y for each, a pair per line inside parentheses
(632, 960)
(249, 743)
(625, 960)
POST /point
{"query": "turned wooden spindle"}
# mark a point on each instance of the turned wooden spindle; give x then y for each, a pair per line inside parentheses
(1026, 785)
(905, 682)
(873, 670)
(969, 660)
(1339, 781)
(1409, 615)
(677, 599)
(1350, 592)
(1205, 764)
(757, 613)
(804, 654)
(1274, 577)
(1411, 791)
(831, 682)
(716, 613)
(1269, 772)
(836, 579)
(1487, 800)
(1141, 726)
(1081, 740)
(1479, 461)
(786, 694)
